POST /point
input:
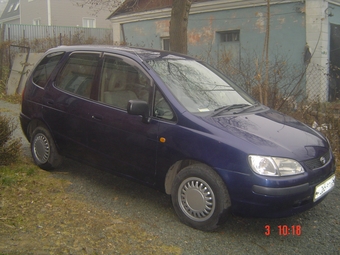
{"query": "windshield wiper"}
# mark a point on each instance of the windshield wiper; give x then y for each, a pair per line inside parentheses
(230, 107)
(218, 88)
(250, 106)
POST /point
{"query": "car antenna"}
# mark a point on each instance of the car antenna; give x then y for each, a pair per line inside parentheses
(138, 56)
(140, 59)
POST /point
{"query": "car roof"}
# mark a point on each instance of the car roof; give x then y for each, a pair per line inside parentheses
(141, 53)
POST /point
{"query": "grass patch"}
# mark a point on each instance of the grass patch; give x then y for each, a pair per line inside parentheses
(37, 215)
(16, 173)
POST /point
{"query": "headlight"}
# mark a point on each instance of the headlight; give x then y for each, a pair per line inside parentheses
(273, 166)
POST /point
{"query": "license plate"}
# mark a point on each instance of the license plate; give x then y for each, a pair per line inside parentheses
(324, 187)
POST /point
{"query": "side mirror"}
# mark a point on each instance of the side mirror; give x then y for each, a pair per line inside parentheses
(139, 107)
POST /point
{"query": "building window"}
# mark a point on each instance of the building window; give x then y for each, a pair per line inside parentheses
(230, 36)
(10, 8)
(16, 6)
(89, 22)
(166, 43)
(37, 21)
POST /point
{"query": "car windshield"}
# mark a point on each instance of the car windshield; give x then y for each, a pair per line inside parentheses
(197, 87)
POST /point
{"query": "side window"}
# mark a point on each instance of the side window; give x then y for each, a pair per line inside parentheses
(77, 75)
(121, 82)
(162, 109)
(44, 69)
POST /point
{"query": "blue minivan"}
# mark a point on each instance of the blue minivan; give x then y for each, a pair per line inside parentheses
(176, 124)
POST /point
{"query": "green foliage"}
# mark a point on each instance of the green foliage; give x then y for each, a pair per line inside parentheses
(9, 148)
(16, 173)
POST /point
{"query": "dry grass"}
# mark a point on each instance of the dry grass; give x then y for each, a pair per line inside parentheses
(38, 216)
(15, 99)
(9, 147)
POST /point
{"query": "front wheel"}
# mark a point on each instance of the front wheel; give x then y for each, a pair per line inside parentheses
(200, 197)
(43, 149)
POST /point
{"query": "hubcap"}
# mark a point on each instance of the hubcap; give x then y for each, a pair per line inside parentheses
(197, 200)
(41, 148)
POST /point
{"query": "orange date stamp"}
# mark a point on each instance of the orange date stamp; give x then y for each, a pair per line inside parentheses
(284, 230)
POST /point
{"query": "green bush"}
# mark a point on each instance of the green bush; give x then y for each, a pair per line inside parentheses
(9, 147)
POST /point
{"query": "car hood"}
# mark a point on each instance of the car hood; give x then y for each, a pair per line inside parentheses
(273, 133)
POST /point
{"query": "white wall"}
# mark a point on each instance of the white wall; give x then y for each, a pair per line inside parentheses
(317, 36)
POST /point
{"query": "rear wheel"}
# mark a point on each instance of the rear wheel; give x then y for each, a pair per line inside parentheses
(200, 197)
(43, 149)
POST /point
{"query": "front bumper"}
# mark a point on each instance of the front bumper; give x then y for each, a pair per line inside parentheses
(254, 199)
(280, 191)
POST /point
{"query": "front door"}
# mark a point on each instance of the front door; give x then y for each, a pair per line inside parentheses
(122, 142)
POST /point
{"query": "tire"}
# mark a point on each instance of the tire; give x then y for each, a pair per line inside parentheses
(43, 149)
(200, 197)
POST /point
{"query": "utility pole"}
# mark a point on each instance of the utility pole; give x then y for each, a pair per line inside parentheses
(266, 45)
(49, 19)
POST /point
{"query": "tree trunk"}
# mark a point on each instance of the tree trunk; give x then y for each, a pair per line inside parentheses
(178, 25)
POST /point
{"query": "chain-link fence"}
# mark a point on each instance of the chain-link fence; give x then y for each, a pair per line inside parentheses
(318, 84)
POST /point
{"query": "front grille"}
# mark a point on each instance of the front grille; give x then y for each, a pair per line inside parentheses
(318, 162)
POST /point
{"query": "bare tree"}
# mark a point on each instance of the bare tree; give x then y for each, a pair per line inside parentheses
(179, 24)
(283, 84)
(98, 5)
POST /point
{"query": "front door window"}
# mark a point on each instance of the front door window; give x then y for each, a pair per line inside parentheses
(121, 82)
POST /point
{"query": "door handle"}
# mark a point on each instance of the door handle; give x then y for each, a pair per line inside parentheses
(97, 117)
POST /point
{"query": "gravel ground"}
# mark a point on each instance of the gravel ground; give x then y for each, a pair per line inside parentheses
(320, 226)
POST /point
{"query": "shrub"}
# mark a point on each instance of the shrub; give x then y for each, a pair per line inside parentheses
(324, 117)
(9, 147)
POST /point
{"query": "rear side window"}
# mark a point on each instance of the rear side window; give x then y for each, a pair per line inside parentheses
(44, 69)
(77, 75)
